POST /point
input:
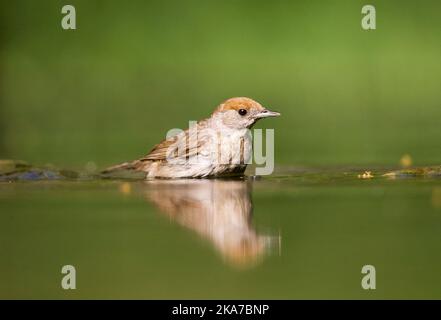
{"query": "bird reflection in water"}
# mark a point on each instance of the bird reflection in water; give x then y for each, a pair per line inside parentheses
(220, 211)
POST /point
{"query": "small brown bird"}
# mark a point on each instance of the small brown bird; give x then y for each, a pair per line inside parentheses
(217, 146)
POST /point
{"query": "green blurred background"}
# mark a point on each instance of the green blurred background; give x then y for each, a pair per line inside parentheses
(110, 90)
(132, 70)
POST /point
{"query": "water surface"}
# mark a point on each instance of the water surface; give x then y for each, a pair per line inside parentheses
(301, 233)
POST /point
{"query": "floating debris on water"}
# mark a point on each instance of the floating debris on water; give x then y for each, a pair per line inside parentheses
(415, 172)
(366, 175)
(9, 166)
(406, 161)
(15, 170)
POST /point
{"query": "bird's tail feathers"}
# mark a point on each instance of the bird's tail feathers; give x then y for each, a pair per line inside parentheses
(123, 170)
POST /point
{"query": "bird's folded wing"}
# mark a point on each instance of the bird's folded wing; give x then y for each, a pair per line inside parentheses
(181, 146)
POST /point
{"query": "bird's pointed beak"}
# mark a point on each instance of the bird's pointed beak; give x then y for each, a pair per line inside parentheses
(265, 113)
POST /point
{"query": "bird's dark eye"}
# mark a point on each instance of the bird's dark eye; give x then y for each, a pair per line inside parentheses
(242, 112)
